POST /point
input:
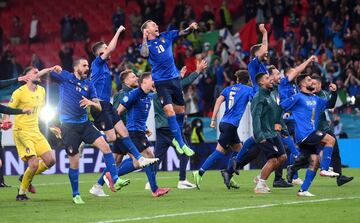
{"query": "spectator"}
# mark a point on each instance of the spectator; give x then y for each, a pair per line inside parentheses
(278, 16)
(17, 30)
(250, 9)
(81, 28)
(220, 77)
(36, 62)
(225, 15)
(88, 50)
(159, 11)
(171, 25)
(118, 18)
(66, 57)
(66, 28)
(15, 68)
(207, 14)
(179, 12)
(135, 23)
(1, 40)
(34, 29)
(192, 102)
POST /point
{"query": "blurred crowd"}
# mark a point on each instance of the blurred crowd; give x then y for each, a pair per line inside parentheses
(329, 29)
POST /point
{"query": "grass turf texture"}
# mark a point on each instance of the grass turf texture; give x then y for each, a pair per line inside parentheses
(213, 203)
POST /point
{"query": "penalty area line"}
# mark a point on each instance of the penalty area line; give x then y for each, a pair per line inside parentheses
(226, 210)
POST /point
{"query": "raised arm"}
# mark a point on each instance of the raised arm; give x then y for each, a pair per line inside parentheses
(333, 97)
(193, 26)
(144, 51)
(46, 71)
(293, 73)
(217, 105)
(200, 67)
(112, 45)
(264, 45)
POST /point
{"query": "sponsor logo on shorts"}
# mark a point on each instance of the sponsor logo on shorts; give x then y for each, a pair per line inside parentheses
(27, 150)
(161, 100)
(275, 148)
(319, 133)
(70, 149)
(102, 125)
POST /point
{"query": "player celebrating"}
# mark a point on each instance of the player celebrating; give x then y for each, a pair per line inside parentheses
(137, 103)
(107, 120)
(30, 142)
(129, 81)
(158, 48)
(306, 108)
(236, 98)
(267, 121)
(76, 94)
(163, 133)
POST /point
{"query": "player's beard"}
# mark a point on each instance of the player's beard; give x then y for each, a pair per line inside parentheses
(310, 88)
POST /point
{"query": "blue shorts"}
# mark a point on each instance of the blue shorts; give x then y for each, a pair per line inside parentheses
(119, 147)
(73, 134)
(140, 140)
(312, 144)
(272, 148)
(107, 118)
(228, 135)
(170, 92)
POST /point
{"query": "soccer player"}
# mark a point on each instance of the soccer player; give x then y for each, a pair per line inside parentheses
(236, 98)
(306, 108)
(129, 81)
(163, 134)
(137, 103)
(30, 142)
(76, 94)
(157, 47)
(5, 126)
(323, 125)
(107, 120)
(267, 122)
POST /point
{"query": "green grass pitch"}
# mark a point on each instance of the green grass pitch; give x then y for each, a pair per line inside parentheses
(213, 203)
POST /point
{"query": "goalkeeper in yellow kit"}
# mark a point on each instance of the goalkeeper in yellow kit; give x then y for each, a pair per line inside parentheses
(31, 145)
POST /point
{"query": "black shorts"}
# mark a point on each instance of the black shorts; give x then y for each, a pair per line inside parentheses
(312, 144)
(119, 147)
(107, 118)
(140, 140)
(290, 125)
(73, 134)
(170, 92)
(228, 135)
(272, 148)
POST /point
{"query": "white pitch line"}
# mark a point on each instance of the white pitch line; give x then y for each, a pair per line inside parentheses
(226, 210)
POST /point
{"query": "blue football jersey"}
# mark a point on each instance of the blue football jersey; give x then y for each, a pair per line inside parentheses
(101, 78)
(236, 99)
(254, 67)
(137, 104)
(306, 109)
(71, 92)
(161, 56)
(287, 88)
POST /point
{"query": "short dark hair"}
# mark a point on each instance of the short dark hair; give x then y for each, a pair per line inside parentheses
(271, 68)
(27, 70)
(97, 46)
(77, 61)
(144, 25)
(258, 76)
(242, 76)
(317, 77)
(300, 78)
(144, 76)
(124, 74)
(254, 49)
